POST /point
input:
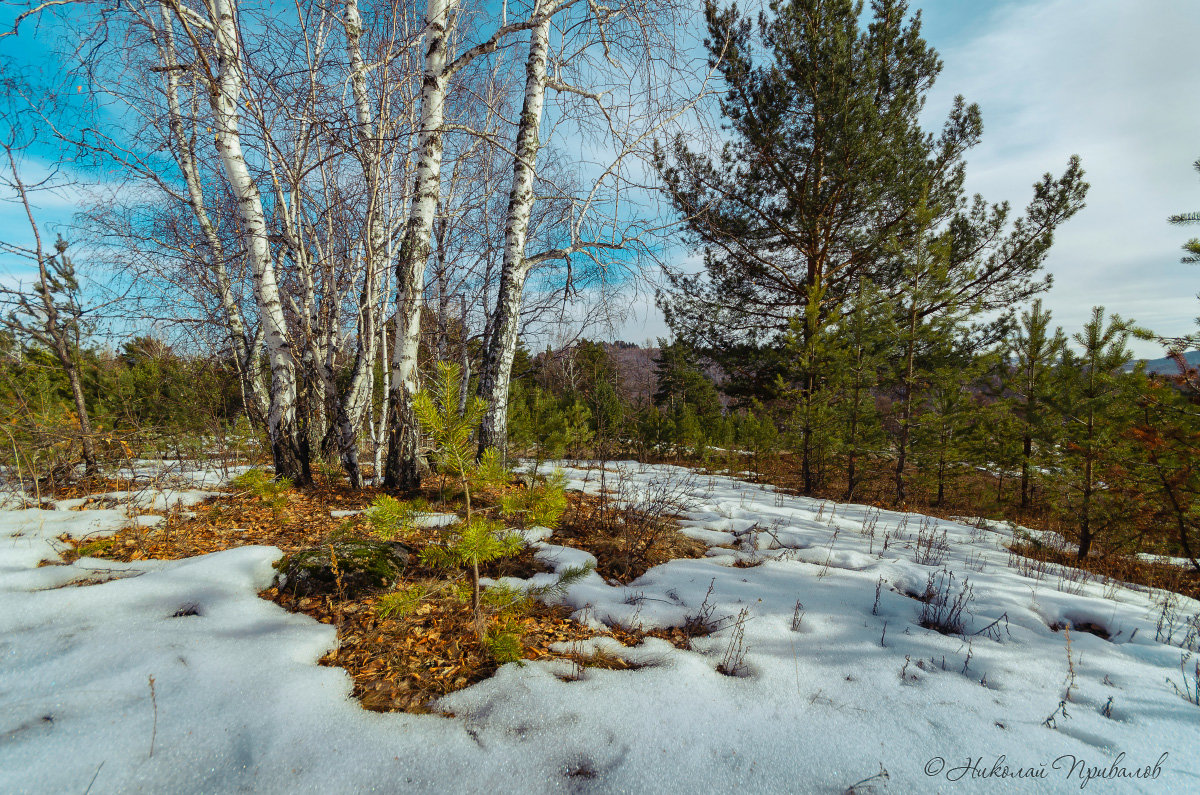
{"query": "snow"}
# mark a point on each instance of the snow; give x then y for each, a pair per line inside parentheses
(238, 701)
(149, 499)
(1167, 559)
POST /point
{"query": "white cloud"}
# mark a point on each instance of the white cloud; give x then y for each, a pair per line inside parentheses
(1113, 82)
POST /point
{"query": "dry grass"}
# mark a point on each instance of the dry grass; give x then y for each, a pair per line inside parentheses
(625, 544)
(396, 663)
(976, 493)
(1119, 567)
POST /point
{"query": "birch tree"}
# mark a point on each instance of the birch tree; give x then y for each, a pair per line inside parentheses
(635, 102)
(402, 468)
(245, 348)
(220, 67)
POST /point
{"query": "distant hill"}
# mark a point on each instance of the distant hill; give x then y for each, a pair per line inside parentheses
(635, 369)
(1168, 366)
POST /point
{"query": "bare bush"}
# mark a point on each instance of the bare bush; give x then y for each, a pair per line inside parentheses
(945, 603)
(632, 525)
(733, 662)
(798, 616)
(932, 546)
(870, 519)
(1190, 680)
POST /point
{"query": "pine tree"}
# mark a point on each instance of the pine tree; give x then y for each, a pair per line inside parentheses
(479, 539)
(825, 164)
(1191, 255)
(865, 337)
(1026, 376)
(993, 442)
(825, 176)
(813, 366)
(1096, 400)
(950, 407)
(928, 321)
(681, 380)
(1167, 442)
(1192, 247)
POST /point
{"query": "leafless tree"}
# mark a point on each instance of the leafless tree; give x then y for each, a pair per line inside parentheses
(49, 310)
(617, 73)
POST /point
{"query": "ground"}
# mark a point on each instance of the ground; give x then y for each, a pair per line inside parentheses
(851, 648)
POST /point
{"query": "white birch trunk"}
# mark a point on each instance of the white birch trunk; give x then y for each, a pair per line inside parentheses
(289, 450)
(497, 366)
(246, 354)
(402, 469)
(352, 404)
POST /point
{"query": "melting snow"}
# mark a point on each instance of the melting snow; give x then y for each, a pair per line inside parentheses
(827, 693)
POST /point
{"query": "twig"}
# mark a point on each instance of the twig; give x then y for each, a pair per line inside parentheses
(882, 775)
(93, 781)
(154, 730)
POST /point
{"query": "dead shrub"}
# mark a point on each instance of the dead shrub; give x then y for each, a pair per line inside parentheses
(631, 525)
(944, 603)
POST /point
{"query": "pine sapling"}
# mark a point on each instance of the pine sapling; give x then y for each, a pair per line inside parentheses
(390, 518)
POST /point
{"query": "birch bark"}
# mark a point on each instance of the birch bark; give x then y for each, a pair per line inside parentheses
(502, 344)
(353, 402)
(246, 353)
(288, 447)
(402, 468)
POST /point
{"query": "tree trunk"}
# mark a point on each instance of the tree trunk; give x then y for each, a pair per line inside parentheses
(498, 360)
(906, 412)
(87, 443)
(245, 351)
(1027, 454)
(288, 449)
(464, 388)
(402, 469)
(941, 479)
(806, 434)
(1085, 524)
(356, 399)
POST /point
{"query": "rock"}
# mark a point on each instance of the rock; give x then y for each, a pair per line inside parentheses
(363, 566)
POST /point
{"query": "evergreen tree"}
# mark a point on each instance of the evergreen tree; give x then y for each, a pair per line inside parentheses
(1192, 247)
(1167, 440)
(1027, 379)
(865, 337)
(1096, 400)
(549, 425)
(993, 442)
(941, 442)
(479, 539)
(825, 164)
(827, 179)
(1191, 255)
(810, 350)
(757, 433)
(681, 380)
(928, 319)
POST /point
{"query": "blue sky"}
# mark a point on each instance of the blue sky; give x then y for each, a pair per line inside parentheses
(1110, 80)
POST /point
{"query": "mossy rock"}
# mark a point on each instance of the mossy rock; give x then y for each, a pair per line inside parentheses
(363, 566)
